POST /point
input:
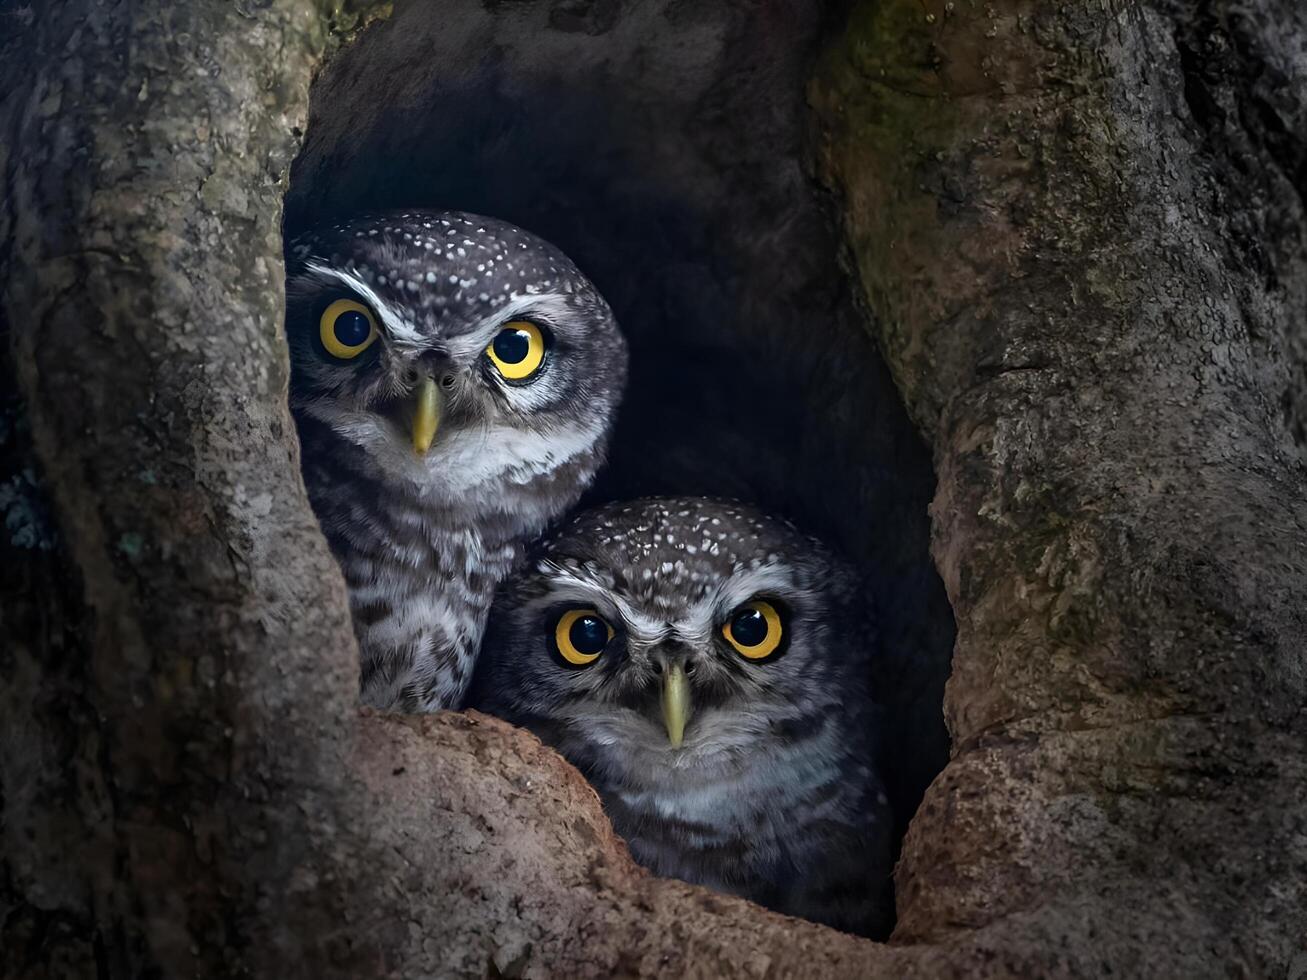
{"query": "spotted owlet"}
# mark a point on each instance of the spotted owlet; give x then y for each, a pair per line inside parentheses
(706, 668)
(454, 380)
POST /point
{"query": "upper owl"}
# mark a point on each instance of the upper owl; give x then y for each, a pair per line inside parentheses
(454, 379)
(707, 668)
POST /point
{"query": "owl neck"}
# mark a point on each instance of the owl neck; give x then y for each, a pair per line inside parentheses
(351, 489)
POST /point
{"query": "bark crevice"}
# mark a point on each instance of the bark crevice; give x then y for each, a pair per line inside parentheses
(186, 787)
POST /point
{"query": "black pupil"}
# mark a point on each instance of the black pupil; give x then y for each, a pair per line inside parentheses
(512, 346)
(588, 635)
(749, 628)
(351, 328)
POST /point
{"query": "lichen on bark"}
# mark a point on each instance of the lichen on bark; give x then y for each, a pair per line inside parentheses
(1058, 312)
(1035, 211)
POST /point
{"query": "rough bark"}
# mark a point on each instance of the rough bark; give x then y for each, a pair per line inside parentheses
(1046, 231)
(1088, 283)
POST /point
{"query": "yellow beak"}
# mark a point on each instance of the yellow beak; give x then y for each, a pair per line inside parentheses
(676, 703)
(426, 415)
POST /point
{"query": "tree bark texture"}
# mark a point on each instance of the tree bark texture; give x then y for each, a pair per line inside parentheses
(1084, 244)
(1079, 230)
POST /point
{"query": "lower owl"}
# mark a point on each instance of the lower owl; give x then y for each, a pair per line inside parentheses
(706, 668)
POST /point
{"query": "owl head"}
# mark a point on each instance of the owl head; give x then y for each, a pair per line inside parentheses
(675, 633)
(456, 351)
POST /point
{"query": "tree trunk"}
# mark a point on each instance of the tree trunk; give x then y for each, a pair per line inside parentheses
(1079, 229)
(1082, 232)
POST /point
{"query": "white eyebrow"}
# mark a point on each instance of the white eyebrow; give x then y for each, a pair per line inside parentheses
(702, 617)
(397, 328)
(700, 620)
(566, 581)
(470, 344)
(551, 304)
(769, 577)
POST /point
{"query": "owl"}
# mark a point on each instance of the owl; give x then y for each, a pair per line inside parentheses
(454, 381)
(706, 668)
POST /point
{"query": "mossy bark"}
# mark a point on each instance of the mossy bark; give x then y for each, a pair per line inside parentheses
(1047, 229)
(1075, 226)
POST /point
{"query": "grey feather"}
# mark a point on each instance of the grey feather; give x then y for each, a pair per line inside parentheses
(773, 794)
(423, 540)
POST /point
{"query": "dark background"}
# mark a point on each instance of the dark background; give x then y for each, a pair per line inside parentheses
(667, 155)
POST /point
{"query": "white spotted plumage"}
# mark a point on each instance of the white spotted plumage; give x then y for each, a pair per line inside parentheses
(773, 791)
(423, 538)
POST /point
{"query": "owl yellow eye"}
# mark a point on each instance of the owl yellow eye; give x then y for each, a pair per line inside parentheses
(580, 636)
(518, 350)
(347, 329)
(755, 630)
